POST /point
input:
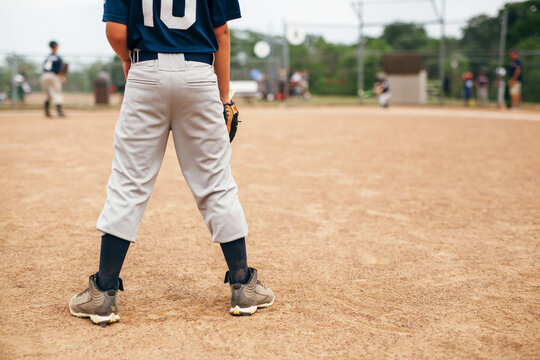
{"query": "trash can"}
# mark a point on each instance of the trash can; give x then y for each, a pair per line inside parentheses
(102, 85)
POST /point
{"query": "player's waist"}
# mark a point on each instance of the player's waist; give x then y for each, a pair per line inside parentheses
(141, 55)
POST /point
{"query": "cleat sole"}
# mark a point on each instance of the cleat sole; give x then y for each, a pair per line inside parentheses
(238, 311)
(98, 319)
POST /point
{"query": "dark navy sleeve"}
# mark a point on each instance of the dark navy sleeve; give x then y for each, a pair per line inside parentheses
(222, 11)
(116, 11)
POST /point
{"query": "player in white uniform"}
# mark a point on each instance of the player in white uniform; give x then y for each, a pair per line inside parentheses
(176, 57)
(51, 82)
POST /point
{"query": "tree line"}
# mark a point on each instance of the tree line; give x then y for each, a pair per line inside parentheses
(333, 67)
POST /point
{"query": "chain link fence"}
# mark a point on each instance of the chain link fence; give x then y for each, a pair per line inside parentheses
(324, 69)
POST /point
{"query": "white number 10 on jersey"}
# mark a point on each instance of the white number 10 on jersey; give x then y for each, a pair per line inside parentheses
(166, 15)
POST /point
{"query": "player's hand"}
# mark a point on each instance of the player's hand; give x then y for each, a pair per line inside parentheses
(126, 64)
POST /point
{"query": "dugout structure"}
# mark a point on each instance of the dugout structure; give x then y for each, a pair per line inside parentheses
(407, 79)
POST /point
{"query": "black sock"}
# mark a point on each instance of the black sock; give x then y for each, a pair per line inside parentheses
(113, 253)
(236, 257)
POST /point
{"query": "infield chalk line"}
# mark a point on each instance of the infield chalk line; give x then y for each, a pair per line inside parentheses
(503, 115)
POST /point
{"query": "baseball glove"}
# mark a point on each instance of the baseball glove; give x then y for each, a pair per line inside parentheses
(63, 72)
(230, 112)
(64, 69)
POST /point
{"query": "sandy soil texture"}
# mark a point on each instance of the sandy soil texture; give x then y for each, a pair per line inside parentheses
(409, 233)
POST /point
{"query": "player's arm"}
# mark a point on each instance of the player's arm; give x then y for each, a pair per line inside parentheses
(222, 61)
(117, 36)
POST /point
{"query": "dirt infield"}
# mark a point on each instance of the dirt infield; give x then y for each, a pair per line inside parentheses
(399, 234)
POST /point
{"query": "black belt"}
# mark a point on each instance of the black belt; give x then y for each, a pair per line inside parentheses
(140, 55)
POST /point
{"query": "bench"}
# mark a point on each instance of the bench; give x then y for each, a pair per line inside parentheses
(246, 89)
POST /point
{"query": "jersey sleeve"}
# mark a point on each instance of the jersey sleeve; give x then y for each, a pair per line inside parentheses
(222, 11)
(116, 11)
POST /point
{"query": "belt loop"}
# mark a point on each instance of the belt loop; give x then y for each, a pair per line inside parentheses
(135, 56)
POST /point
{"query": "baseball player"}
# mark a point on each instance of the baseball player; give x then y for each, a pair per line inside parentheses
(176, 58)
(382, 90)
(51, 82)
(515, 78)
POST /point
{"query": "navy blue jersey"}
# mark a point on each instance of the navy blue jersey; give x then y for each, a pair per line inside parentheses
(514, 66)
(172, 26)
(53, 63)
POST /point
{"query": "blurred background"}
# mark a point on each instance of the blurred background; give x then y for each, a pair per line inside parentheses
(306, 52)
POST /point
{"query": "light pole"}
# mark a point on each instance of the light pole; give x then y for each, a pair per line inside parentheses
(358, 9)
(442, 45)
(14, 85)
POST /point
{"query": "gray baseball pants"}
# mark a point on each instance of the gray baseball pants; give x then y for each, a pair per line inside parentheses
(171, 94)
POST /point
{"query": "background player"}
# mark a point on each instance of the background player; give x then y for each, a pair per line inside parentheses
(482, 88)
(171, 86)
(468, 85)
(515, 79)
(51, 82)
(382, 90)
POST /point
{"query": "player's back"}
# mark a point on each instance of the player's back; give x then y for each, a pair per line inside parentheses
(172, 26)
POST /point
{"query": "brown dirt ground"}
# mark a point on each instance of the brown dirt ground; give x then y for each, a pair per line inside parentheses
(411, 233)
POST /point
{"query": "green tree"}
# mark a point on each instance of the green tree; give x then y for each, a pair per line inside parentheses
(331, 67)
(523, 22)
(480, 42)
(524, 35)
(405, 36)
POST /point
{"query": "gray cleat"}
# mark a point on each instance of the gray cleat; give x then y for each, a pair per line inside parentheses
(247, 298)
(100, 306)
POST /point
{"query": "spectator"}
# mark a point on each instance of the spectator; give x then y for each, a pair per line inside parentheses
(304, 84)
(516, 78)
(468, 84)
(296, 84)
(282, 82)
(260, 78)
(482, 87)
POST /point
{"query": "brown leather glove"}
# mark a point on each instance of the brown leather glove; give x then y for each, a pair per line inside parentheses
(230, 113)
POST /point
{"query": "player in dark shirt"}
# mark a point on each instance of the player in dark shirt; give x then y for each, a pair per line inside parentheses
(176, 58)
(51, 82)
(516, 78)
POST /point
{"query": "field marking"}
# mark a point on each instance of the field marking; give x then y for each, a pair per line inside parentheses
(478, 114)
(452, 112)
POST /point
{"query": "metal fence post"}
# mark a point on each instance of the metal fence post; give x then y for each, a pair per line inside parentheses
(14, 87)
